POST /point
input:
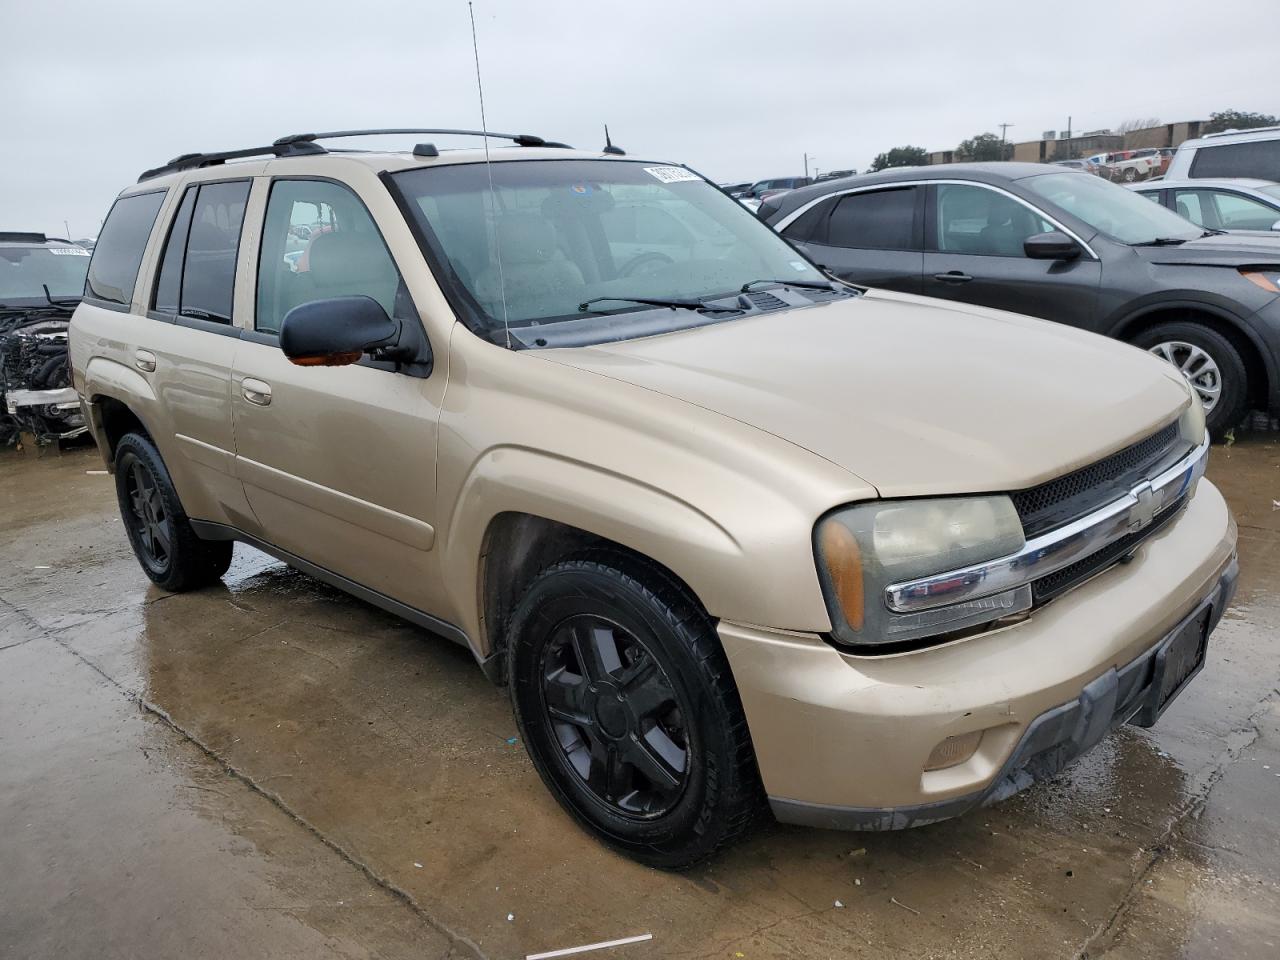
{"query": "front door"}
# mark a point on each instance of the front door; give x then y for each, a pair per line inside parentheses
(338, 463)
(974, 238)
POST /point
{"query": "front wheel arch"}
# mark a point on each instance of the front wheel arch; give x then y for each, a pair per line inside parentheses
(1258, 367)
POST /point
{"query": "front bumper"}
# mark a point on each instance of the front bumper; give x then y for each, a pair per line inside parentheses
(843, 741)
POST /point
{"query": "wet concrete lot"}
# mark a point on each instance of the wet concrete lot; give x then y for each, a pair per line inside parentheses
(271, 768)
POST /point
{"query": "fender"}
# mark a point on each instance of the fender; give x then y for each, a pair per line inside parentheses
(1220, 307)
(698, 548)
(106, 378)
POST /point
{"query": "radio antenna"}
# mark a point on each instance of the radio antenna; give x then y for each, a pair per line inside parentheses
(493, 194)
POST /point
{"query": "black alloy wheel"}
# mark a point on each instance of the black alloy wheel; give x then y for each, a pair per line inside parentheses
(616, 716)
(162, 537)
(626, 704)
(149, 517)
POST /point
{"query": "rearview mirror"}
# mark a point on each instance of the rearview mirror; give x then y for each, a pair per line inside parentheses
(1054, 245)
(336, 332)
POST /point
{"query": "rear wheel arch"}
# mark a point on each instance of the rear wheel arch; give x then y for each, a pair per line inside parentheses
(518, 546)
(1258, 367)
(112, 419)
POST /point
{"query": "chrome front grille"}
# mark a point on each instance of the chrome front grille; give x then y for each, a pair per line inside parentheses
(1065, 498)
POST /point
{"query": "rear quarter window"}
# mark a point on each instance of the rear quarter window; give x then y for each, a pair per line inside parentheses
(113, 271)
(1254, 158)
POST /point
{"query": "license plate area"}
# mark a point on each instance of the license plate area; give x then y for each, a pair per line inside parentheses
(1178, 660)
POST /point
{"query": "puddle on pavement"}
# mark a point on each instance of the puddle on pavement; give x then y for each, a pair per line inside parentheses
(389, 742)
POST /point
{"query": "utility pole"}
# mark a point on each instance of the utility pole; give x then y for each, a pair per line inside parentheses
(1071, 154)
(1003, 128)
(67, 234)
(807, 158)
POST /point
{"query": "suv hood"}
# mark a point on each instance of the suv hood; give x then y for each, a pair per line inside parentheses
(911, 395)
(1224, 250)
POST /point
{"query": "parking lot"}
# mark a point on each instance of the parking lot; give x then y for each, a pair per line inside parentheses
(272, 768)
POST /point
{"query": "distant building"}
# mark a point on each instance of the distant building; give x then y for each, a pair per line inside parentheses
(1051, 148)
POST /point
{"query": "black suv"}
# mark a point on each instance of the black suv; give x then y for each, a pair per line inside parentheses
(1054, 243)
(41, 281)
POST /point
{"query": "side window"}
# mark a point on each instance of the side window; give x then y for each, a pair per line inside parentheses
(1242, 213)
(113, 271)
(169, 282)
(197, 275)
(811, 226)
(982, 222)
(1188, 206)
(320, 242)
(1252, 158)
(879, 220)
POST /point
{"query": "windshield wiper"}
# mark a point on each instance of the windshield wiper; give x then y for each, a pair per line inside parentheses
(1161, 242)
(810, 284)
(65, 303)
(674, 304)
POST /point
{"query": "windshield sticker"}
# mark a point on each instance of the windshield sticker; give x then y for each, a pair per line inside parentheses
(671, 174)
(69, 251)
(799, 266)
(581, 189)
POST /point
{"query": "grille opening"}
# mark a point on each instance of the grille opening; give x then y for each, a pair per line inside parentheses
(1066, 498)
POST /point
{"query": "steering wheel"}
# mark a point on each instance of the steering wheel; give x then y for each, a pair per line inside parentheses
(645, 263)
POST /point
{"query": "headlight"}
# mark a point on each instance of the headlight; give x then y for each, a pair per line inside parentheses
(865, 548)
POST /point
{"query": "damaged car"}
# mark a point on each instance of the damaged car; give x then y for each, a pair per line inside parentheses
(41, 280)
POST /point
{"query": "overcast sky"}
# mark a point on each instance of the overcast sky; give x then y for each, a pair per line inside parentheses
(95, 91)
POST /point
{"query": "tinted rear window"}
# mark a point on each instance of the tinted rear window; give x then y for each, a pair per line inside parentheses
(1257, 158)
(198, 267)
(118, 253)
(880, 220)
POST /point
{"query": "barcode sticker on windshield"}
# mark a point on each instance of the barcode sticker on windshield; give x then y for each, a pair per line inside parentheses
(69, 251)
(671, 174)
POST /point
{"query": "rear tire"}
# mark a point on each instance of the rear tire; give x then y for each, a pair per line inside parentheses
(163, 540)
(624, 699)
(1212, 365)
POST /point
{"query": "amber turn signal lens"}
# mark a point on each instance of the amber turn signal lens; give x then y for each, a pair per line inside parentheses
(844, 563)
(1267, 280)
(954, 751)
(327, 360)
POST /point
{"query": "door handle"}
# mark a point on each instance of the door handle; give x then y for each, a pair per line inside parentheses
(256, 391)
(144, 360)
(952, 276)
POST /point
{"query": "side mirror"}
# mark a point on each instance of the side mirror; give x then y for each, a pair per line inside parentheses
(336, 332)
(1054, 245)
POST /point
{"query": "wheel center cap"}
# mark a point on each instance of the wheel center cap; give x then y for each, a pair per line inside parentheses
(611, 713)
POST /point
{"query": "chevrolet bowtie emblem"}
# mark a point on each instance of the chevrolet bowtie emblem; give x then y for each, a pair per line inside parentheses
(1143, 512)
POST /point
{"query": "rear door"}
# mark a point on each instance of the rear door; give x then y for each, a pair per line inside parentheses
(974, 236)
(190, 342)
(338, 463)
(871, 237)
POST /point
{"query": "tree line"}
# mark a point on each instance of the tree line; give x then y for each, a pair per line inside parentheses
(988, 146)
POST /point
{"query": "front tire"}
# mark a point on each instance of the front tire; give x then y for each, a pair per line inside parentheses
(166, 546)
(625, 701)
(1211, 365)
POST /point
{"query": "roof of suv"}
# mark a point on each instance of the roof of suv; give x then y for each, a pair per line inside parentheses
(306, 145)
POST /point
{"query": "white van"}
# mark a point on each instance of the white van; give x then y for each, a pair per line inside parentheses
(1232, 153)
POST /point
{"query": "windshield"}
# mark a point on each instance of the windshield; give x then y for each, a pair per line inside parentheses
(554, 234)
(1119, 213)
(24, 271)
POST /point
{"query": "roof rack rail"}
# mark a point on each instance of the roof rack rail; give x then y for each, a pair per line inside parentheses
(304, 144)
(520, 139)
(194, 161)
